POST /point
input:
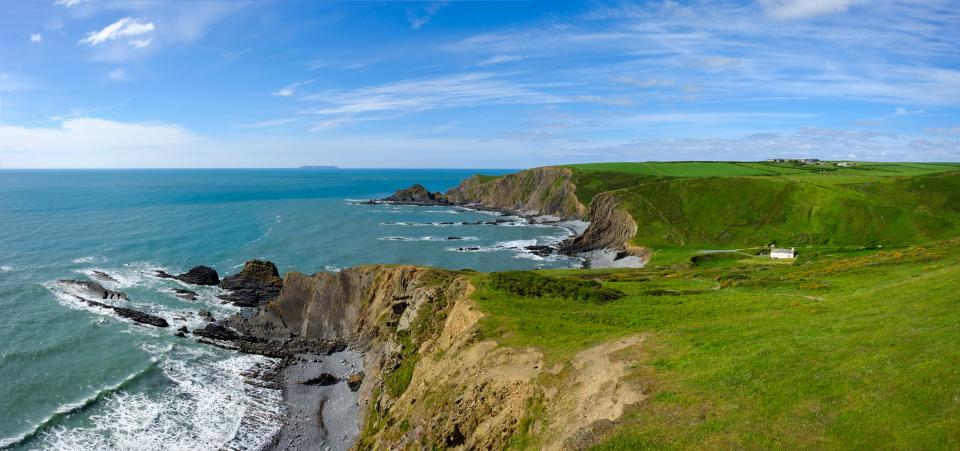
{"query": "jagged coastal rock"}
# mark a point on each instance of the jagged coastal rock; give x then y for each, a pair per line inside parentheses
(257, 283)
(94, 289)
(129, 313)
(418, 195)
(607, 239)
(547, 193)
(198, 275)
(422, 323)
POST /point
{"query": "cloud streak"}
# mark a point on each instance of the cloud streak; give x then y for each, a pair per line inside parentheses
(127, 27)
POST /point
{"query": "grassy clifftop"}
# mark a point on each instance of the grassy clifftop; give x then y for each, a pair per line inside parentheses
(722, 205)
(843, 349)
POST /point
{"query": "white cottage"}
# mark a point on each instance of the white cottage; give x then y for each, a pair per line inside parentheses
(783, 253)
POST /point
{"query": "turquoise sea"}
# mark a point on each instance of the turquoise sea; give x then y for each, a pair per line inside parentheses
(75, 377)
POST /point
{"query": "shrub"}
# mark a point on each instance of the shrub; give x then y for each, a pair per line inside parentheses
(527, 283)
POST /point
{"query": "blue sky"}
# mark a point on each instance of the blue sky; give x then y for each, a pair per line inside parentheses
(97, 83)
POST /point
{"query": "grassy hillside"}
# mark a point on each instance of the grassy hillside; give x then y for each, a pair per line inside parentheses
(841, 349)
(730, 205)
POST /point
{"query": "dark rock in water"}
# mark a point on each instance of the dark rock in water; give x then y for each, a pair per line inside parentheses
(205, 314)
(129, 313)
(323, 379)
(198, 275)
(183, 329)
(465, 249)
(217, 331)
(180, 334)
(354, 381)
(417, 195)
(104, 276)
(95, 289)
(540, 250)
(454, 238)
(257, 283)
(185, 294)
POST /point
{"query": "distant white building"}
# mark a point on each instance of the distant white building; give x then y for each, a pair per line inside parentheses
(783, 253)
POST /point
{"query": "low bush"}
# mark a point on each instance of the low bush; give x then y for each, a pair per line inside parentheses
(527, 283)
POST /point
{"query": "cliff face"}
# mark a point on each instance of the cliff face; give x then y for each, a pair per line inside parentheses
(538, 191)
(611, 228)
(430, 382)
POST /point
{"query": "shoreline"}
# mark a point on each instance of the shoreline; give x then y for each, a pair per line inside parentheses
(321, 413)
(596, 259)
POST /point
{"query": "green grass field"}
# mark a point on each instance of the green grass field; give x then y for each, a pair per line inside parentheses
(740, 169)
(728, 205)
(843, 349)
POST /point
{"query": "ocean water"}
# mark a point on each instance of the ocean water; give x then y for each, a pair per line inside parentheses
(77, 377)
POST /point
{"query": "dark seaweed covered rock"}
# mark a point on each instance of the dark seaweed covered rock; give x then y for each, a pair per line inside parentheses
(198, 275)
(217, 331)
(418, 195)
(257, 283)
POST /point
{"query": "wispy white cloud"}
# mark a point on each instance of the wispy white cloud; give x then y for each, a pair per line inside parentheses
(36, 38)
(802, 9)
(462, 90)
(124, 28)
(500, 59)
(953, 131)
(895, 51)
(140, 43)
(119, 74)
(271, 123)
(291, 89)
(9, 82)
(68, 3)
(422, 16)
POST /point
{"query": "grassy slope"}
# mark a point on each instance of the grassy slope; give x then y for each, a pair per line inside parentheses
(729, 205)
(839, 350)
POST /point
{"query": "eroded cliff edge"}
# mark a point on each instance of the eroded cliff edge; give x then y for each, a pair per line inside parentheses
(551, 193)
(431, 379)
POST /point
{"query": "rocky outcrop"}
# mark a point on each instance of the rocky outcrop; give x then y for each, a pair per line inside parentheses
(185, 294)
(104, 276)
(611, 227)
(217, 331)
(258, 282)
(539, 191)
(129, 313)
(198, 275)
(94, 289)
(428, 380)
(416, 195)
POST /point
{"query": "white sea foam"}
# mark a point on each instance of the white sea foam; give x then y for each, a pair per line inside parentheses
(72, 407)
(208, 405)
(7, 268)
(90, 259)
(266, 234)
(332, 268)
(428, 238)
(512, 245)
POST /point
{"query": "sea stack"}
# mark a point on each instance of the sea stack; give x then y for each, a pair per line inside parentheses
(257, 283)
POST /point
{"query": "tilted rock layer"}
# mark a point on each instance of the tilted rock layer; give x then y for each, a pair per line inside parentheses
(429, 381)
(611, 227)
(538, 191)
